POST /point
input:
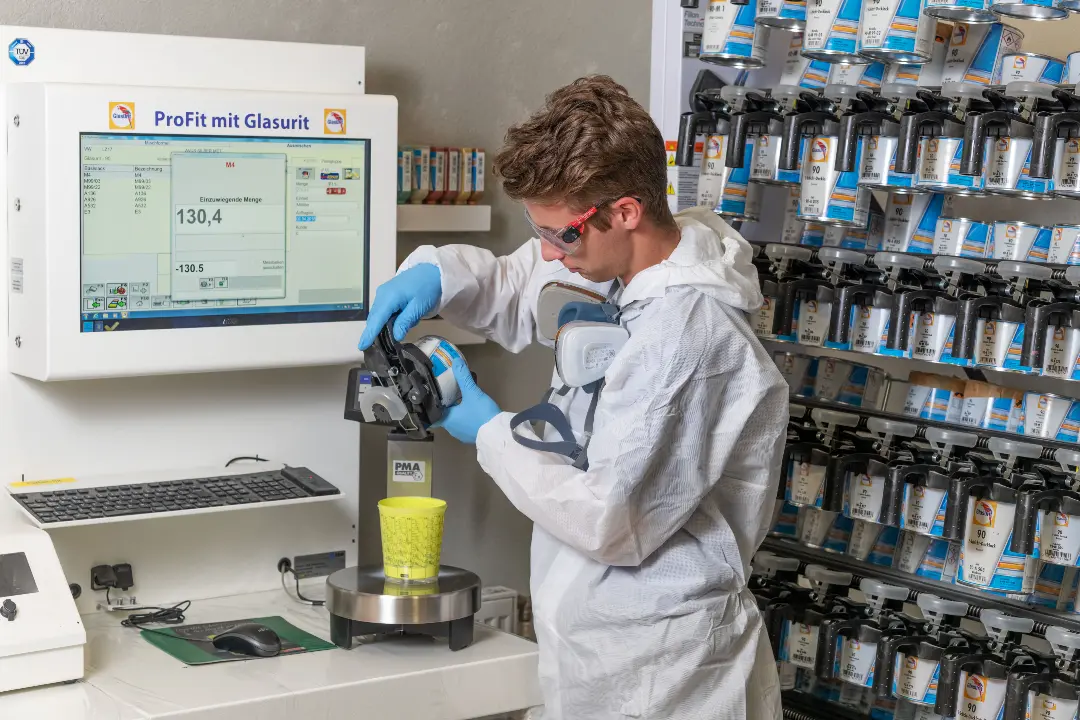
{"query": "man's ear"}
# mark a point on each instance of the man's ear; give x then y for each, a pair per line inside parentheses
(629, 212)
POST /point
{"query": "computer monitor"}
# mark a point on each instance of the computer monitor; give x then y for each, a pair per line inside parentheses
(186, 231)
(179, 230)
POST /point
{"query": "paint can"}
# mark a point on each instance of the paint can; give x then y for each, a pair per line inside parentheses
(1057, 329)
(1029, 9)
(938, 162)
(1059, 536)
(877, 169)
(866, 76)
(792, 230)
(783, 14)
(786, 522)
(975, 52)
(848, 383)
(922, 509)
(961, 237)
(927, 557)
(1031, 67)
(1020, 241)
(739, 199)
(800, 70)
(829, 196)
(857, 656)
(1064, 245)
(934, 397)
(729, 36)
(1071, 75)
(986, 559)
(896, 31)
(443, 355)
(832, 29)
(911, 222)
(799, 371)
(813, 234)
(1050, 417)
(1000, 338)
(963, 11)
(1066, 168)
(991, 407)
(934, 330)
(1054, 587)
(927, 74)
(1008, 159)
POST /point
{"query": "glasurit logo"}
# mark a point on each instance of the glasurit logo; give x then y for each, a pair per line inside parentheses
(975, 688)
(121, 116)
(333, 121)
(409, 471)
(819, 151)
(984, 514)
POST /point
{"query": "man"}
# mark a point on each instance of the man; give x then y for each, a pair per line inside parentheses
(639, 558)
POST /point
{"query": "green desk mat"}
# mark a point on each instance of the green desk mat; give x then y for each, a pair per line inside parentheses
(183, 641)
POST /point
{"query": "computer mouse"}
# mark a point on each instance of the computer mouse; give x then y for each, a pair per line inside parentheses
(249, 639)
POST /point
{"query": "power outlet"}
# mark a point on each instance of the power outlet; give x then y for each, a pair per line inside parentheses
(318, 564)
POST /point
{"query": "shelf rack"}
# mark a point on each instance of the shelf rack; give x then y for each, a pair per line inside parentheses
(1047, 444)
(975, 599)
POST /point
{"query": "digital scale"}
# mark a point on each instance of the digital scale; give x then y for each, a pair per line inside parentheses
(363, 601)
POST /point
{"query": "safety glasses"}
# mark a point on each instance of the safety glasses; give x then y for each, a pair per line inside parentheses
(568, 239)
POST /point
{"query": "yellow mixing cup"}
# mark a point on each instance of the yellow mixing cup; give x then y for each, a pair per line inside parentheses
(412, 529)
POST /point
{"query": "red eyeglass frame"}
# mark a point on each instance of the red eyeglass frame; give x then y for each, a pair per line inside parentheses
(568, 238)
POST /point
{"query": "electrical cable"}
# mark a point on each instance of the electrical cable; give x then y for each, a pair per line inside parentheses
(173, 615)
(302, 599)
(253, 458)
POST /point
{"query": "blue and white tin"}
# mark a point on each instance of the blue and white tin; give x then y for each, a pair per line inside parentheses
(877, 167)
(831, 32)
(1064, 245)
(1029, 9)
(800, 70)
(911, 222)
(986, 560)
(1011, 240)
(786, 521)
(961, 237)
(896, 31)
(783, 14)
(443, 355)
(867, 76)
(927, 557)
(813, 234)
(1050, 417)
(792, 230)
(1054, 586)
(922, 510)
(1031, 67)
(927, 74)
(1071, 74)
(729, 36)
(938, 167)
(741, 199)
(975, 52)
(991, 412)
(830, 196)
(931, 397)
(960, 11)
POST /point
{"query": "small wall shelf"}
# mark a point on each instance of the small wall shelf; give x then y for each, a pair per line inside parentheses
(444, 218)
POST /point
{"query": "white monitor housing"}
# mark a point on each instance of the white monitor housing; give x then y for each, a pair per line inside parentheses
(158, 230)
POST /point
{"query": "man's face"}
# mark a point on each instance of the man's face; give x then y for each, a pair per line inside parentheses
(602, 254)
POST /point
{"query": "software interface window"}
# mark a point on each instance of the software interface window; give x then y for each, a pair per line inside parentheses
(188, 231)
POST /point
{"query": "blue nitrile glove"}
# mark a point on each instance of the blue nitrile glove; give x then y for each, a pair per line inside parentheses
(415, 292)
(466, 418)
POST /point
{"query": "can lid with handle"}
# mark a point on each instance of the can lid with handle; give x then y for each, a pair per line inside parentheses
(939, 437)
(892, 259)
(1064, 643)
(1026, 88)
(899, 90)
(836, 91)
(1028, 271)
(877, 593)
(997, 624)
(934, 608)
(891, 427)
(962, 90)
(796, 411)
(1072, 274)
(776, 251)
(820, 577)
(825, 417)
(1012, 448)
(787, 91)
(768, 564)
(962, 265)
(841, 256)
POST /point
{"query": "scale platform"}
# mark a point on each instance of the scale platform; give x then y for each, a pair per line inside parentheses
(363, 601)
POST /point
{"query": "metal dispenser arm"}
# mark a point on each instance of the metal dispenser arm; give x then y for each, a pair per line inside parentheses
(1038, 317)
(1048, 128)
(912, 128)
(760, 109)
(976, 127)
(879, 111)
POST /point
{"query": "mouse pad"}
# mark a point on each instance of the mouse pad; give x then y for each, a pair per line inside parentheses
(190, 644)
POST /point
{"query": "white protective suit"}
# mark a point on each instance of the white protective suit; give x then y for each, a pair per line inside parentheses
(639, 564)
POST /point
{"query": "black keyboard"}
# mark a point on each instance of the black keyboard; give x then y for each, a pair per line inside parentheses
(290, 483)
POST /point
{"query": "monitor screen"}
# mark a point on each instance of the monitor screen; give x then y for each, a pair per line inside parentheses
(211, 231)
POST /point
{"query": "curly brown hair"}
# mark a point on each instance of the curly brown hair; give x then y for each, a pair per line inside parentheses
(590, 142)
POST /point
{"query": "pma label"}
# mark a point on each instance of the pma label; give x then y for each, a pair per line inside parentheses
(412, 471)
(21, 51)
